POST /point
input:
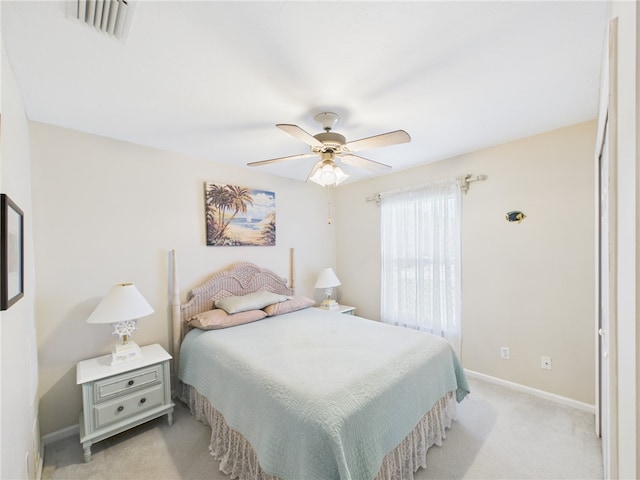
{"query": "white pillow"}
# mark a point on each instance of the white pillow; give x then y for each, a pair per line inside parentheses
(250, 301)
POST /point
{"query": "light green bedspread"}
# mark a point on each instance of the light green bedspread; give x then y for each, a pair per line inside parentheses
(321, 395)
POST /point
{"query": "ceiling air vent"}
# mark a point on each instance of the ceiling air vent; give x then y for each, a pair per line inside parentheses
(109, 16)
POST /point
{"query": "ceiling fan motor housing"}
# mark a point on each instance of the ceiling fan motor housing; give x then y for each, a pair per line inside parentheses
(331, 140)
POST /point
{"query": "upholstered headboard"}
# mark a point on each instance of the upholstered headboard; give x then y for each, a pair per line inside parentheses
(239, 279)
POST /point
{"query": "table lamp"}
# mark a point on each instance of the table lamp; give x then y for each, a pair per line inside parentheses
(122, 306)
(328, 280)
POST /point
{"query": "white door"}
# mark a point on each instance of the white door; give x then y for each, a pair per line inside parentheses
(604, 310)
(606, 322)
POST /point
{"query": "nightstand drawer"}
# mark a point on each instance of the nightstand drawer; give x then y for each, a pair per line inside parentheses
(127, 382)
(140, 402)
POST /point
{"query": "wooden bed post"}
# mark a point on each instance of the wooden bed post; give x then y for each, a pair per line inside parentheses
(176, 317)
(292, 269)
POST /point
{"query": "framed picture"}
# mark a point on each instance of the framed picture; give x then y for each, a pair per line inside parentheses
(239, 216)
(11, 252)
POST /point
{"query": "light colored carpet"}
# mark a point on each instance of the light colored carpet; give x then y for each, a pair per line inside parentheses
(499, 434)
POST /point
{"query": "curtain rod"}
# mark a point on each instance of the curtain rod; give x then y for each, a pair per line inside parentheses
(465, 180)
(463, 183)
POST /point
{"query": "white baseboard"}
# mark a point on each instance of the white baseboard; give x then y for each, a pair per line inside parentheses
(61, 434)
(569, 402)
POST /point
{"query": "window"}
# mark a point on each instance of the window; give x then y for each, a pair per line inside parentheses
(420, 236)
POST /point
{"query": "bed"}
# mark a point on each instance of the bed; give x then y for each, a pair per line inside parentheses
(304, 393)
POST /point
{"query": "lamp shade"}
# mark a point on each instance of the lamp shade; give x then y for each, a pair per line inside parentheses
(327, 279)
(123, 302)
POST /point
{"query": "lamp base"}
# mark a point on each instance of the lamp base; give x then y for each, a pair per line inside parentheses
(329, 304)
(125, 352)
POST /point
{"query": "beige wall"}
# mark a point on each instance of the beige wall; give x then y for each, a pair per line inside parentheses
(19, 442)
(107, 211)
(527, 286)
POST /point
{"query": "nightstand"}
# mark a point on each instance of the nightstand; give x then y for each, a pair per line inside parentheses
(346, 309)
(119, 397)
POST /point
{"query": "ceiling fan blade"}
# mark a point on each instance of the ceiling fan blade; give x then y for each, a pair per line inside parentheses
(382, 140)
(365, 163)
(280, 159)
(300, 134)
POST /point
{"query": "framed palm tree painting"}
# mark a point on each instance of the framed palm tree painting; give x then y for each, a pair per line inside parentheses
(239, 216)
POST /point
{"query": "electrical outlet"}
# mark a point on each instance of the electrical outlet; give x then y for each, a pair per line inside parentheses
(545, 362)
(504, 353)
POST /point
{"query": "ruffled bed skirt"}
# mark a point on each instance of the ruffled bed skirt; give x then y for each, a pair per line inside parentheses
(238, 460)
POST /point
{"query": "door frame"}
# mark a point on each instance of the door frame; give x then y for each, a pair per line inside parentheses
(606, 338)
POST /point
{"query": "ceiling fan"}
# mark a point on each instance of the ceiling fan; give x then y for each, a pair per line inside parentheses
(330, 145)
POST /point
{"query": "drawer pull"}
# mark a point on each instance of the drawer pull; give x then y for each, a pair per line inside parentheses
(142, 400)
(120, 408)
(130, 382)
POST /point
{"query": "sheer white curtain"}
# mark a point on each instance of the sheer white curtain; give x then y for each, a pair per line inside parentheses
(421, 284)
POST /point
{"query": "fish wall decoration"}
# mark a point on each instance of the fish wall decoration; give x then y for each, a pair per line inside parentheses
(515, 216)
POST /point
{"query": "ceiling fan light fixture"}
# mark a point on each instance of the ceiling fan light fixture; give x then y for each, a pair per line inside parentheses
(328, 175)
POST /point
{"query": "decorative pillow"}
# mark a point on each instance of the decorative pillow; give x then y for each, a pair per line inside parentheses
(250, 301)
(218, 318)
(297, 302)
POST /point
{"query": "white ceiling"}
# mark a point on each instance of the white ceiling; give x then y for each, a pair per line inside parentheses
(212, 78)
